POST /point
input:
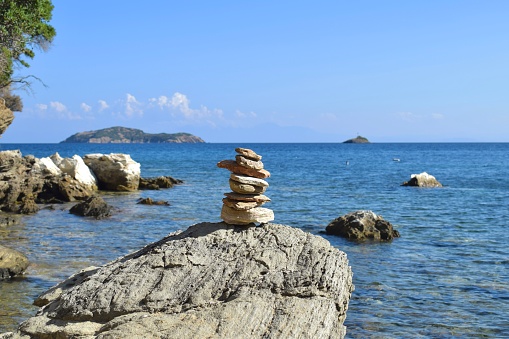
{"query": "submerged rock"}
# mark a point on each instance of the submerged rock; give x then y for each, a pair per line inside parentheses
(211, 281)
(92, 207)
(422, 180)
(149, 201)
(362, 225)
(158, 183)
(12, 263)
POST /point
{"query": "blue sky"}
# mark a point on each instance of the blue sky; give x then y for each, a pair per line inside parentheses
(274, 71)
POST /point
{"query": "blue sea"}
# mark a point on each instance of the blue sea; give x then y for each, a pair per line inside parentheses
(447, 276)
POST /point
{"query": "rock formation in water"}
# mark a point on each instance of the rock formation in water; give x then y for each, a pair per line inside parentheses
(115, 171)
(357, 140)
(362, 225)
(123, 135)
(422, 180)
(94, 206)
(213, 280)
(12, 263)
(242, 205)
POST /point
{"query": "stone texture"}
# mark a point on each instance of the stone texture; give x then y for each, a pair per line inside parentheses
(245, 162)
(115, 171)
(241, 205)
(422, 180)
(92, 207)
(12, 263)
(248, 153)
(210, 281)
(238, 169)
(247, 197)
(238, 187)
(249, 180)
(243, 217)
(362, 225)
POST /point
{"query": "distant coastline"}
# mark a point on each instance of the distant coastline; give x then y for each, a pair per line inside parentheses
(124, 135)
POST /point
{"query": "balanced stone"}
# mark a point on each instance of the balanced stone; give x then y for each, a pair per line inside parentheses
(250, 154)
(247, 197)
(238, 169)
(238, 217)
(242, 161)
(241, 205)
(243, 179)
(238, 187)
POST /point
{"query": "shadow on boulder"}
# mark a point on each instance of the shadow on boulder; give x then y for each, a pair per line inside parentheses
(362, 225)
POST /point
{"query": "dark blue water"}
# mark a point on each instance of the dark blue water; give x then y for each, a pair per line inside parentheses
(446, 277)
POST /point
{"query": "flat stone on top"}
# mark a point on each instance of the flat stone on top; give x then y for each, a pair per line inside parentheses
(247, 197)
(243, 161)
(244, 179)
(250, 154)
(232, 166)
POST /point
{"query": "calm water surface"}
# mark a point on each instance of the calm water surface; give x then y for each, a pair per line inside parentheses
(446, 277)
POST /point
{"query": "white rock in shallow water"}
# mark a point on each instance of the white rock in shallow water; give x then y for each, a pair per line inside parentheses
(115, 171)
(254, 215)
(78, 170)
(47, 165)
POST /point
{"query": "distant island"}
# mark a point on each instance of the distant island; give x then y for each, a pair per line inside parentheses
(124, 135)
(357, 140)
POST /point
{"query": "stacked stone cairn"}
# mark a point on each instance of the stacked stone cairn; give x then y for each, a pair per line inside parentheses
(242, 205)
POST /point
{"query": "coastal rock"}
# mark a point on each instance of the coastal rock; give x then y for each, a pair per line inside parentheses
(114, 172)
(362, 225)
(70, 189)
(248, 153)
(243, 217)
(77, 169)
(149, 201)
(211, 281)
(422, 180)
(232, 166)
(12, 263)
(243, 179)
(92, 207)
(8, 220)
(158, 183)
(48, 167)
(245, 162)
(238, 187)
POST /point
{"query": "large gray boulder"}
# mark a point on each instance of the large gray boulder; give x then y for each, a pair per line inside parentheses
(362, 225)
(213, 280)
(12, 263)
(115, 171)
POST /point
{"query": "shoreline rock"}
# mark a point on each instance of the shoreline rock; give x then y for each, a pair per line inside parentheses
(422, 180)
(361, 226)
(12, 263)
(212, 280)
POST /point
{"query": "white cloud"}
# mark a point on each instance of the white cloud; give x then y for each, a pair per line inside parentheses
(41, 107)
(409, 116)
(103, 105)
(328, 116)
(58, 106)
(243, 115)
(132, 106)
(437, 116)
(179, 103)
(85, 107)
